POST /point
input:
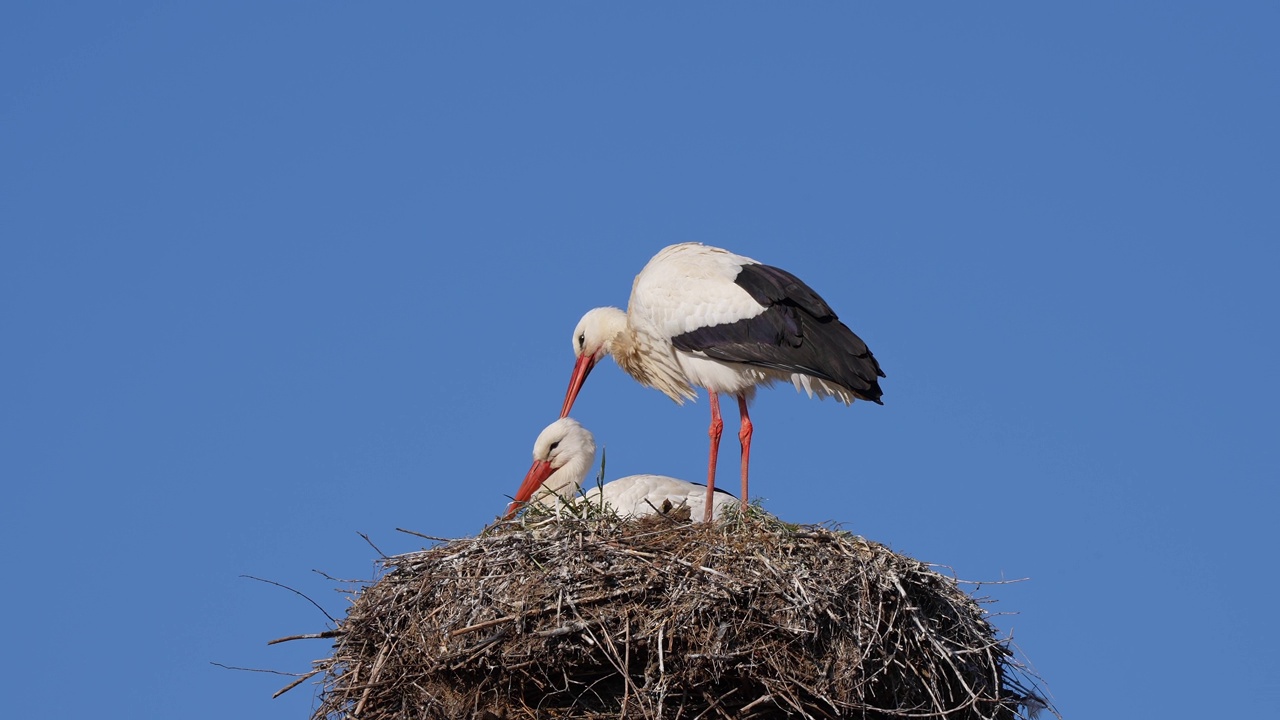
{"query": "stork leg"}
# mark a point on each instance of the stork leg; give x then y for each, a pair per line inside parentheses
(717, 428)
(744, 436)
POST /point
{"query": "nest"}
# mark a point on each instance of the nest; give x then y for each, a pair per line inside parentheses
(597, 617)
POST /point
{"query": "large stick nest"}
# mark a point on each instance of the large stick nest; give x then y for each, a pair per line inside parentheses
(595, 617)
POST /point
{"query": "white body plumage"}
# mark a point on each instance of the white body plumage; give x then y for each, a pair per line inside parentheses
(564, 454)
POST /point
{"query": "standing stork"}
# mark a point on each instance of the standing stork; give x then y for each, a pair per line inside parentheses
(564, 454)
(703, 317)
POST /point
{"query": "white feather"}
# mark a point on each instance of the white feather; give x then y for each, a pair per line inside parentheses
(571, 449)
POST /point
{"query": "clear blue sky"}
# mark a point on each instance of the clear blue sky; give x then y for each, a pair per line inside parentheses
(275, 274)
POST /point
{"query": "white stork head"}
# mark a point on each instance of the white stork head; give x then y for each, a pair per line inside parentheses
(592, 339)
(562, 456)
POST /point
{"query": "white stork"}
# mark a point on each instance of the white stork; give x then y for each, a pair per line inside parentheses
(564, 454)
(703, 317)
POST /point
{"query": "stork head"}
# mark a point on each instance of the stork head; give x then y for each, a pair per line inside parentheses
(562, 455)
(592, 340)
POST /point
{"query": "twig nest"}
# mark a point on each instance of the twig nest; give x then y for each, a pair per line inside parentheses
(597, 617)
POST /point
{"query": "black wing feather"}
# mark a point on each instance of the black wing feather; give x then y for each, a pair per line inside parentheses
(797, 333)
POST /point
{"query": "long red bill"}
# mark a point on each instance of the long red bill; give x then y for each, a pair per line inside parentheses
(581, 369)
(537, 475)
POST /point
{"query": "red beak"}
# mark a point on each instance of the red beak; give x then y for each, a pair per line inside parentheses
(537, 475)
(581, 369)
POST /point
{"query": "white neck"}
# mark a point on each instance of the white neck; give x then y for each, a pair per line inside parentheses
(565, 483)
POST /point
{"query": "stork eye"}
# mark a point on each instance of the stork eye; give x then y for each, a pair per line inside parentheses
(555, 445)
(582, 341)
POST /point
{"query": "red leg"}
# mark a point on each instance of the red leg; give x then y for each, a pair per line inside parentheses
(744, 435)
(717, 427)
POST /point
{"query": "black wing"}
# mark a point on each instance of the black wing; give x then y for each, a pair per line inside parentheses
(797, 333)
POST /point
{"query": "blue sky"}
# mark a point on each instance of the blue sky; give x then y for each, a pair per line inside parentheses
(276, 274)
